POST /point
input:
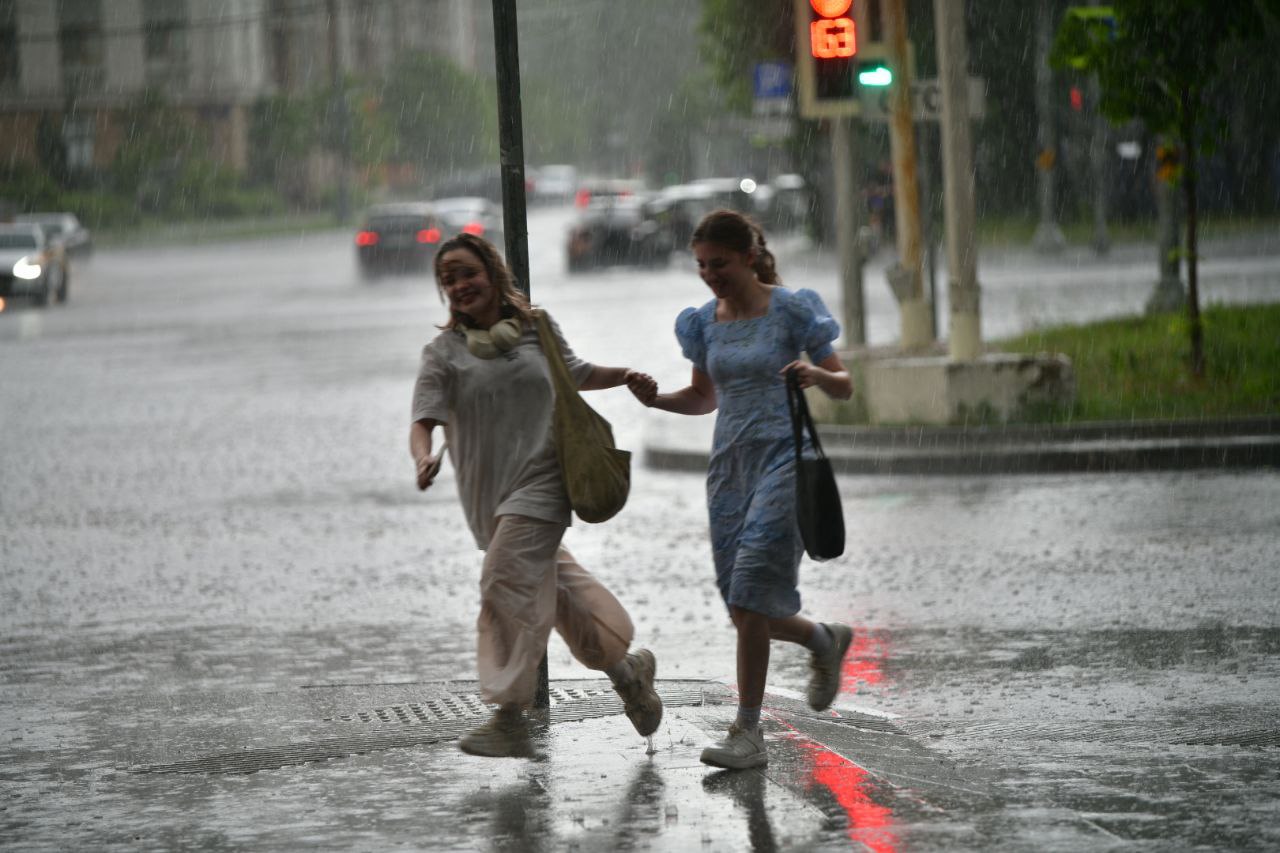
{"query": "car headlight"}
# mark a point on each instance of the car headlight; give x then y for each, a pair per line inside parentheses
(27, 269)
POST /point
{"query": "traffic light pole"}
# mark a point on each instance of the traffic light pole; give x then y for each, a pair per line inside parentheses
(848, 224)
(965, 338)
(515, 218)
(907, 278)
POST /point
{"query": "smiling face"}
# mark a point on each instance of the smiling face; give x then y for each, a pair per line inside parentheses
(724, 270)
(467, 286)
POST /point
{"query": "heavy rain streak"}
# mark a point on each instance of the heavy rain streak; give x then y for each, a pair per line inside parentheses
(283, 466)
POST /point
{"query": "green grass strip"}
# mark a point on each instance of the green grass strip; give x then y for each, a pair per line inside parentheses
(1137, 368)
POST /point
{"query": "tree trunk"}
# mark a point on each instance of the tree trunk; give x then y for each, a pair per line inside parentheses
(1193, 262)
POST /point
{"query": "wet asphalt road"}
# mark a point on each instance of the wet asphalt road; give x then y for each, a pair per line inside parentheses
(207, 504)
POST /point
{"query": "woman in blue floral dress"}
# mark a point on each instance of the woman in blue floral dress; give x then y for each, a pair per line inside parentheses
(742, 344)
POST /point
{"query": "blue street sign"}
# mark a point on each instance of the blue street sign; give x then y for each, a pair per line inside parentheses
(772, 80)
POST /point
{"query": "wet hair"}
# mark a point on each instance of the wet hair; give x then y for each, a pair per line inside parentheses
(739, 233)
(514, 302)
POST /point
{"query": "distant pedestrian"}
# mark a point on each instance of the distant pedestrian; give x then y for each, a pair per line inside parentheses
(486, 380)
(742, 344)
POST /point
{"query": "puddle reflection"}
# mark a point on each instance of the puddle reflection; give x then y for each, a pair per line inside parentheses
(869, 823)
(747, 788)
(518, 815)
(864, 664)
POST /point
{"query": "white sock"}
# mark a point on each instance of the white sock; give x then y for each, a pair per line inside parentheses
(748, 718)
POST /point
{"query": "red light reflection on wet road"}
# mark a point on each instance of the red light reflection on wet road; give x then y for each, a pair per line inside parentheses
(864, 664)
(870, 824)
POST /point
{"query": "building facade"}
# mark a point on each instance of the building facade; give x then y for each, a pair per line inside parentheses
(68, 67)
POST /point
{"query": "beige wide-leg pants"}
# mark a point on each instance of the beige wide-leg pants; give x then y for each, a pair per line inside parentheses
(529, 583)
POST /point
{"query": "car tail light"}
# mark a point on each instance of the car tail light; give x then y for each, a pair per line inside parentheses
(367, 238)
(474, 228)
(429, 235)
(582, 198)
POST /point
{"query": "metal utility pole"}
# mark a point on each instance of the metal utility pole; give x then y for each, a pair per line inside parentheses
(511, 141)
(1169, 294)
(1099, 170)
(1048, 236)
(515, 220)
(848, 223)
(957, 175)
(338, 105)
(1098, 164)
(906, 278)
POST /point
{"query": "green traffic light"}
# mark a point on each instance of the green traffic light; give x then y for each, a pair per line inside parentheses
(875, 75)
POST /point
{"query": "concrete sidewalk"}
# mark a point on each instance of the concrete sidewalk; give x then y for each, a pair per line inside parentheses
(684, 444)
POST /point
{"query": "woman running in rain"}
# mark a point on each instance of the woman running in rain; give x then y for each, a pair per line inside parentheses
(486, 380)
(742, 344)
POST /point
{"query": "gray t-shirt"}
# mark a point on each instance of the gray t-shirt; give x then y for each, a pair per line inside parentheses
(497, 417)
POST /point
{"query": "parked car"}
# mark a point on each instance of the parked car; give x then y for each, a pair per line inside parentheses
(472, 214)
(686, 205)
(784, 203)
(398, 238)
(598, 190)
(620, 230)
(31, 265)
(63, 228)
(554, 183)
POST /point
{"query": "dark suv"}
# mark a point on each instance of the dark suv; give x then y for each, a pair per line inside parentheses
(397, 238)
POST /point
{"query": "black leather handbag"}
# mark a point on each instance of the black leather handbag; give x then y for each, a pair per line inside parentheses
(818, 509)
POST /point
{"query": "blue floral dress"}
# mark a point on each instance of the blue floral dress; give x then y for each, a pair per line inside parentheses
(751, 478)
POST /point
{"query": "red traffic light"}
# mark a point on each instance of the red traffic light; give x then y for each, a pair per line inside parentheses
(831, 8)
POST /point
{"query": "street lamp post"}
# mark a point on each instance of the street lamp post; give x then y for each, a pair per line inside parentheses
(515, 218)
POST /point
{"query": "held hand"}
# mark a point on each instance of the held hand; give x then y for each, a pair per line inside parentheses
(428, 467)
(807, 373)
(643, 386)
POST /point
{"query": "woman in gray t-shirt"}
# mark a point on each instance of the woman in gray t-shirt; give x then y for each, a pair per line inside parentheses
(486, 381)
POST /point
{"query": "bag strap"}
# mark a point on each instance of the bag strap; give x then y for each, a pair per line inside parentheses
(800, 418)
(551, 349)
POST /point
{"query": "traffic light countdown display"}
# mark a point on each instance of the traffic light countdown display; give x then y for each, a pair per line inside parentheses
(835, 65)
(833, 44)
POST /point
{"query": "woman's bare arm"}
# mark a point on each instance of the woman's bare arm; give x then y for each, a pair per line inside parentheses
(426, 465)
(696, 398)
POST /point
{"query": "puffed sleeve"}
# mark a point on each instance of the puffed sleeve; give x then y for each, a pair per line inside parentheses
(690, 327)
(431, 391)
(578, 368)
(811, 324)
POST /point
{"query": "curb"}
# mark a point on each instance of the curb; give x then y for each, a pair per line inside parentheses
(1098, 447)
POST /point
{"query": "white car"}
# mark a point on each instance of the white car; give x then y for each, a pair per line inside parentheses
(31, 265)
(555, 183)
(63, 228)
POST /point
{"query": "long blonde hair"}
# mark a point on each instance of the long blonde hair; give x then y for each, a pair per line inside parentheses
(514, 302)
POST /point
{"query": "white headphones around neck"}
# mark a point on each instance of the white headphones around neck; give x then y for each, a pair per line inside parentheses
(492, 342)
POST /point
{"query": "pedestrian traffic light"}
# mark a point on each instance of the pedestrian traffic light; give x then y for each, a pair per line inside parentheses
(827, 50)
(875, 73)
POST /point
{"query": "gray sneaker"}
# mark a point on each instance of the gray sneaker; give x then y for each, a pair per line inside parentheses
(642, 703)
(743, 748)
(505, 735)
(824, 678)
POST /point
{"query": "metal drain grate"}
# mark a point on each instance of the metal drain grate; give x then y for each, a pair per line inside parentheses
(455, 706)
(572, 706)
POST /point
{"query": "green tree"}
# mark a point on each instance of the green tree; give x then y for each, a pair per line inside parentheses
(443, 117)
(736, 34)
(1156, 61)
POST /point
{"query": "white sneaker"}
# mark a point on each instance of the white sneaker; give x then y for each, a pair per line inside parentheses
(743, 748)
